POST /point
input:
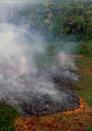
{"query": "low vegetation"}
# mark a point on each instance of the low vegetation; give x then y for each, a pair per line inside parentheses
(84, 86)
(7, 117)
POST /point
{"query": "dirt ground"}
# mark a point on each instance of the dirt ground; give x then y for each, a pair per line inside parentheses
(78, 120)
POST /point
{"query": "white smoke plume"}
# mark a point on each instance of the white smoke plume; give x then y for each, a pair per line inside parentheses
(15, 48)
(18, 48)
(17, 53)
(66, 60)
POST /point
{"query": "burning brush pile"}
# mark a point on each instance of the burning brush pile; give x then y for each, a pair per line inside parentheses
(50, 92)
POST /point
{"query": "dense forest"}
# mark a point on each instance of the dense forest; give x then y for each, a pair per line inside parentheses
(58, 17)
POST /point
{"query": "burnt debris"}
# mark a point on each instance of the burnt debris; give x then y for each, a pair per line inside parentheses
(48, 102)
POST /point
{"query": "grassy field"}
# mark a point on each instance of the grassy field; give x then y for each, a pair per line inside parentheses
(84, 65)
(86, 47)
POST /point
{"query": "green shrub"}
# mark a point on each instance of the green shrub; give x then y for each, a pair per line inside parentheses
(89, 129)
(7, 117)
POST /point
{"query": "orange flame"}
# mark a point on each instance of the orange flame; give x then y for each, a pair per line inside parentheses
(78, 110)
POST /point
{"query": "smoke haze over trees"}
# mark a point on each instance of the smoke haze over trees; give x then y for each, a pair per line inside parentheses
(39, 41)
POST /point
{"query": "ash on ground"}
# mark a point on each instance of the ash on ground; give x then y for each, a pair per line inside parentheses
(44, 92)
(54, 92)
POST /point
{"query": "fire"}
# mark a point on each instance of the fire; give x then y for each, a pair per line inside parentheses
(80, 109)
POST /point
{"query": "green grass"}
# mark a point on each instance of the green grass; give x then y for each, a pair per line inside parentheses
(84, 85)
(87, 95)
(7, 116)
(89, 43)
(86, 48)
(89, 129)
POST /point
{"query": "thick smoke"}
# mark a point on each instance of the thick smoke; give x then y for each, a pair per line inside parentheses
(19, 74)
(16, 59)
(18, 47)
(18, 69)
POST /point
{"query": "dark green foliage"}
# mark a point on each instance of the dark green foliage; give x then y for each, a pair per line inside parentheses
(89, 129)
(86, 48)
(7, 117)
(73, 18)
(56, 25)
(58, 17)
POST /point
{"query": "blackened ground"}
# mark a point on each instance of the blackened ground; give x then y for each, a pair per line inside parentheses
(42, 104)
